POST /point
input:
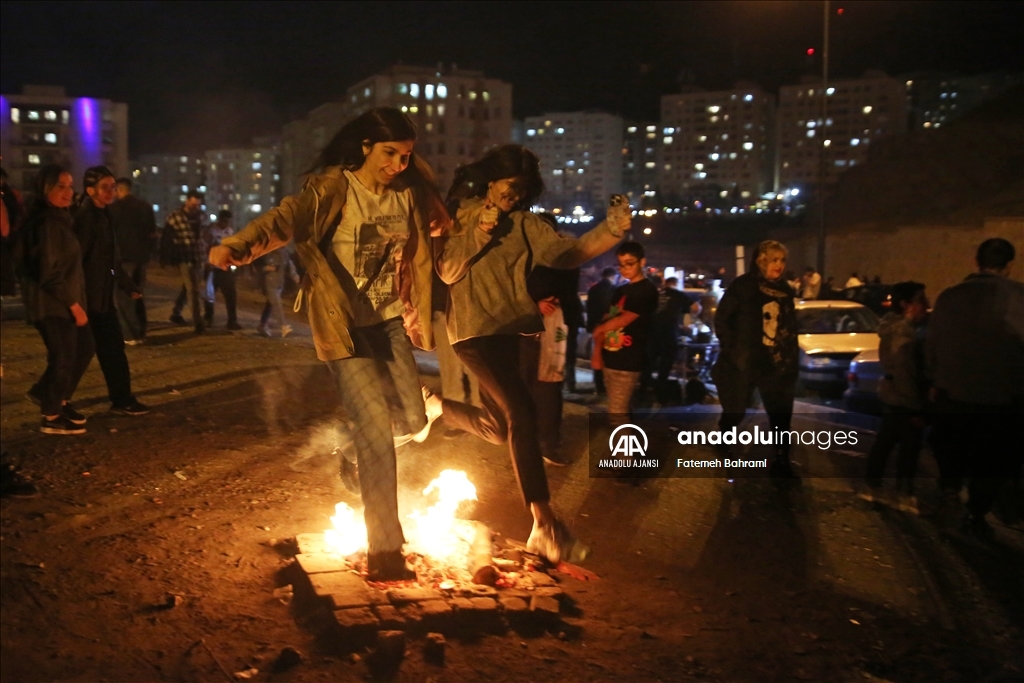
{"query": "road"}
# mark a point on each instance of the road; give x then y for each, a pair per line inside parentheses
(700, 578)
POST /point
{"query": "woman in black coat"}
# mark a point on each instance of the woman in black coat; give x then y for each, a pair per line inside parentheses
(757, 329)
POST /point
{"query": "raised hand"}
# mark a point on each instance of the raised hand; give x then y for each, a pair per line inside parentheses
(620, 215)
(488, 217)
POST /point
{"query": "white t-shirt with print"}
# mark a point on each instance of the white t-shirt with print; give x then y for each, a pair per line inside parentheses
(373, 227)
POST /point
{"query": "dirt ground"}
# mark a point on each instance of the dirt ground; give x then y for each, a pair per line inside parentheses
(700, 579)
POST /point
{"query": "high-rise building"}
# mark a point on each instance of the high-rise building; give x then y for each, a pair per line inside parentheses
(716, 144)
(245, 181)
(163, 180)
(43, 125)
(459, 114)
(937, 99)
(580, 158)
(640, 177)
(858, 112)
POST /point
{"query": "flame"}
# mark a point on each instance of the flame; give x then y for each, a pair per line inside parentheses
(435, 533)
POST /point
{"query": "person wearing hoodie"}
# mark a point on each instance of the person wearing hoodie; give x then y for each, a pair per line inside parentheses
(757, 330)
(903, 391)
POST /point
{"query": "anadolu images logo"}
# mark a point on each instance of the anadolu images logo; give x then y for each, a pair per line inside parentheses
(628, 443)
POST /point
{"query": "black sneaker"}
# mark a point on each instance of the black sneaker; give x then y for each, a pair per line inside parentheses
(388, 565)
(234, 326)
(73, 416)
(177, 319)
(133, 409)
(60, 425)
(14, 485)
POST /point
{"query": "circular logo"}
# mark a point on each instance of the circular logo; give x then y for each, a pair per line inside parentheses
(627, 444)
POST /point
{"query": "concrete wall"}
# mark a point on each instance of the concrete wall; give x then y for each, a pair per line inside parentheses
(938, 256)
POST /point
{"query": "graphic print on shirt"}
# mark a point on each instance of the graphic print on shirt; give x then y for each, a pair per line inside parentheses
(770, 322)
(616, 339)
(375, 241)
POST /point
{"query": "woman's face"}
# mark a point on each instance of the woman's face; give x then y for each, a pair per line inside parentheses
(502, 194)
(385, 160)
(773, 263)
(61, 194)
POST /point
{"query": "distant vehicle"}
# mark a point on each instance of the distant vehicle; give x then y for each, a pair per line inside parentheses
(861, 395)
(831, 334)
(876, 297)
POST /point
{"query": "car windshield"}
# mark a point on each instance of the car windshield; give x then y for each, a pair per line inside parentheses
(836, 320)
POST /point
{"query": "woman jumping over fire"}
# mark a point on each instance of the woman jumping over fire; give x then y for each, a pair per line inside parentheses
(362, 230)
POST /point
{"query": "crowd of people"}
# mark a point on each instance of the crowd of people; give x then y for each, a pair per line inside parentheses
(389, 264)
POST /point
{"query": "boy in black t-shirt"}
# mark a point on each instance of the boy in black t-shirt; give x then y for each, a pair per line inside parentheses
(622, 338)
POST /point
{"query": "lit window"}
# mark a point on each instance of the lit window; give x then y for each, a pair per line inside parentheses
(579, 171)
(33, 159)
(830, 91)
(442, 90)
(854, 142)
(812, 124)
(472, 96)
(698, 166)
(570, 162)
(702, 174)
(668, 131)
(827, 143)
(714, 119)
(651, 136)
(748, 146)
(428, 89)
(202, 188)
(867, 109)
(725, 136)
(668, 167)
(487, 96)
(414, 109)
(16, 115)
(156, 207)
(64, 116)
(652, 129)
(531, 132)
(440, 110)
(745, 194)
(256, 208)
(557, 171)
(367, 91)
(667, 140)
(702, 138)
(414, 89)
(155, 170)
(713, 109)
(810, 133)
(732, 155)
(50, 115)
(181, 197)
(631, 129)
(50, 138)
(560, 130)
(182, 169)
(748, 98)
(405, 108)
(33, 115)
(649, 164)
(256, 165)
(723, 193)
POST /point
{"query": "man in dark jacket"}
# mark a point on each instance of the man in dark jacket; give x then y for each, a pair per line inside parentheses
(975, 352)
(181, 246)
(757, 328)
(599, 300)
(101, 262)
(135, 228)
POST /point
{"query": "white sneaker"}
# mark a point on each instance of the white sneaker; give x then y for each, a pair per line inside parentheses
(434, 407)
(286, 330)
(555, 543)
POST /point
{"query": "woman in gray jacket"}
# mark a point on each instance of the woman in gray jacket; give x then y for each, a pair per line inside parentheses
(53, 285)
(492, 248)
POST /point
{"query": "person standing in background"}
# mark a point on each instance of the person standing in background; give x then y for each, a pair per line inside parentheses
(224, 280)
(274, 267)
(181, 246)
(135, 228)
(599, 298)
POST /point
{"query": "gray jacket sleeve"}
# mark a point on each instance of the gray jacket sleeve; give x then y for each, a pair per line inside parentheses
(454, 253)
(551, 249)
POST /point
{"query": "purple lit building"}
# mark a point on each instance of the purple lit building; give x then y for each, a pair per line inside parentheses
(43, 125)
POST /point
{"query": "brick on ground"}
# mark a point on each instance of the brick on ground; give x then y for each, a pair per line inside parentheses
(514, 605)
(390, 617)
(544, 606)
(549, 592)
(358, 625)
(401, 596)
(317, 563)
(343, 589)
(540, 579)
(311, 544)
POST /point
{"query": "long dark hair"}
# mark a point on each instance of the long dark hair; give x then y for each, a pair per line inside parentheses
(26, 249)
(45, 181)
(384, 124)
(507, 161)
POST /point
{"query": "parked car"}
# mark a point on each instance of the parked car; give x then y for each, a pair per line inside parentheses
(831, 334)
(861, 395)
(876, 297)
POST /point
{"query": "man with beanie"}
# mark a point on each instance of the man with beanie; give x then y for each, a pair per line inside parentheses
(101, 262)
(181, 246)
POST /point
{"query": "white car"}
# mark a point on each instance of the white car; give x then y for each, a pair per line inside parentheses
(832, 333)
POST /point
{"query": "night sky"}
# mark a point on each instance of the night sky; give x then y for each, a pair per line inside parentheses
(203, 75)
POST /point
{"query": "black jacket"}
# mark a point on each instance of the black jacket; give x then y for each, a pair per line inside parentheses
(599, 298)
(135, 227)
(101, 259)
(561, 284)
(746, 317)
(49, 261)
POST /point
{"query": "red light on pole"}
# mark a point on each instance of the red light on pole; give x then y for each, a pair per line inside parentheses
(810, 52)
(839, 11)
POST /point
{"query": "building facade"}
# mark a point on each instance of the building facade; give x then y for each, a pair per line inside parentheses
(716, 145)
(244, 181)
(163, 180)
(640, 155)
(581, 158)
(459, 113)
(812, 146)
(43, 125)
(935, 100)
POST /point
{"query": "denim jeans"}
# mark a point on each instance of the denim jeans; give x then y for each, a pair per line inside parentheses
(382, 368)
(273, 286)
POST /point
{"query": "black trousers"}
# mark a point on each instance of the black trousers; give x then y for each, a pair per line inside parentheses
(508, 413)
(570, 357)
(547, 396)
(106, 331)
(224, 280)
(69, 350)
(978, 441)
(664, 349)
(897, 428)
(777, 392)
